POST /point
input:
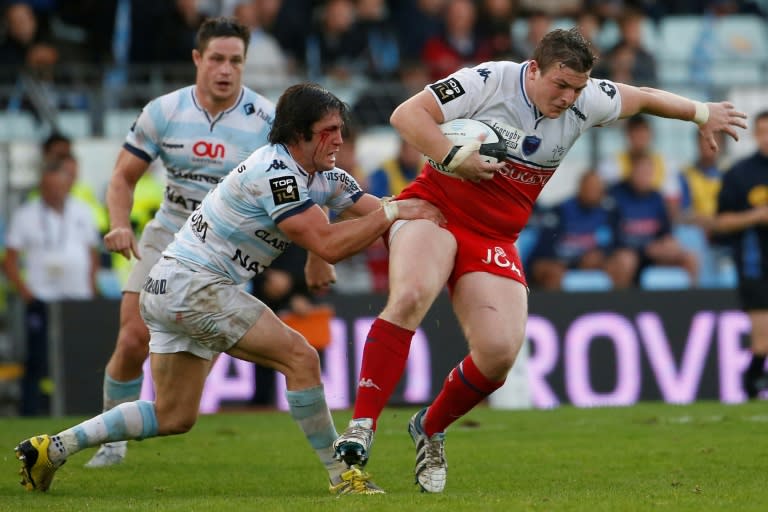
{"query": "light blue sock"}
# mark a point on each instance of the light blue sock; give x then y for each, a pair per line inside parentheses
(309, 409)
(119, 392)
(132, 420)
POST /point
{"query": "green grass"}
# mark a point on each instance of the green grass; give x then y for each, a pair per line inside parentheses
(701, 457)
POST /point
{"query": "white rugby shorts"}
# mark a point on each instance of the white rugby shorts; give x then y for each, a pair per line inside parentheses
(193, 310)
(154, 239)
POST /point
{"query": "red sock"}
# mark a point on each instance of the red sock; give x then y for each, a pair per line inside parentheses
(384, 357)
(464, 388)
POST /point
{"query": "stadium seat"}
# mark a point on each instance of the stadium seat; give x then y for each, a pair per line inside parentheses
(664, 278)
(586, 281)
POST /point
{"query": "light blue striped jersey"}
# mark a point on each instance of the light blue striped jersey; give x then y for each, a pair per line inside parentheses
(234, 231)
(196, 150)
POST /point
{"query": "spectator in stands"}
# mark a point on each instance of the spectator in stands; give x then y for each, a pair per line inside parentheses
(270, 67)
(51, 255)
(743, 216)
(579, 233)
(336, 47)
(495, 23)
(639, 140)
(629, 61)
(459, 44)
(417, 22)
(284, 19)
(554, 8)
(27, 46)
(644, 225)
(539, 23)
(178, 30)
(381, 39)
(700, 184)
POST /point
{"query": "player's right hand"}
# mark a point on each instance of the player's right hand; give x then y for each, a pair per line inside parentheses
(122, 240)
(409, 209)
(475, 169)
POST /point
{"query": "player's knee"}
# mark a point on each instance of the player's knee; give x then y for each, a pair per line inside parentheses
(175, 423)
(133, 340)
(407, 302)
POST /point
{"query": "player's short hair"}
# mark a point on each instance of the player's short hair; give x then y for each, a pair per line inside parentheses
(221, 26)
(301, 106)
(54, 138)
(567, 47)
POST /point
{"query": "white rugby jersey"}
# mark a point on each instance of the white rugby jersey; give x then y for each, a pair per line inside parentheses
(196, 150)
(234, 232)
(494, 92)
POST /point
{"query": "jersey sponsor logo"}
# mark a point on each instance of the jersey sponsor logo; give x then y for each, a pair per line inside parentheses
(284, 190)
(530, 144)
(199, 225)
(279, 243)
(202, 148)
(447, 90)
(247, 262)
(187, 203)
(155, 286)
(498, 256)
(249, 109)
(277, 165)
(183, 174)
(578, 113)
(350, 185)
(512, 136)
(524, 175)
(170, 145)
(608, 89)
(484, 73)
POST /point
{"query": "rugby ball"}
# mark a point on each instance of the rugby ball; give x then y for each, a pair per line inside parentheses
(463, 131)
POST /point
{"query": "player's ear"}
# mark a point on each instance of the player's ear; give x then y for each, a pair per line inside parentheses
(534, 69)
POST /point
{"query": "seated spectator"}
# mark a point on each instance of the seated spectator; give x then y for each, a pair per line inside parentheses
(382, 44)
(579, 233)
(417, 22)
(700, 184)
(639, 142)
(629, 61)
(460, 44)
(336, 47)
(539, 23)
(265, 64)
(644, 233)
(495, 22)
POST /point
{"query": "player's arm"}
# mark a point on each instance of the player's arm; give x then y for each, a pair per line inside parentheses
(128, 170)
(417, 120)
(334, 242)
(711, 117)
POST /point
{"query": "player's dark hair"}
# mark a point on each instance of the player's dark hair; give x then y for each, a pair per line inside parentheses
(221, 26)
(301, 106)
(567, 47)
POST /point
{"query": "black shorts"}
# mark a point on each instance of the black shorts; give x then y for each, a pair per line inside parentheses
(753, 294)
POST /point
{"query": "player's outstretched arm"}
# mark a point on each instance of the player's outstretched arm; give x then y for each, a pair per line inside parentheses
(334, 242)
(711, 117)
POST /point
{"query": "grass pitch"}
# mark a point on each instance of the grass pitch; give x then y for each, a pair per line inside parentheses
(700, 457)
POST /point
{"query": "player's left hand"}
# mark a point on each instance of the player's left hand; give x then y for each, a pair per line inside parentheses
(723, 117)
(318, 273)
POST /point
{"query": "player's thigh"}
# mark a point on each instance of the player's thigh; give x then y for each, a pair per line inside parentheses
(421, 256)
(492, 311)
(130, 315)
(178, 379)
(270, 342)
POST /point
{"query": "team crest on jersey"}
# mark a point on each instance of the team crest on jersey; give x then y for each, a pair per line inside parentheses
(249, 109)
(447, 90)
(530, 144)
(608, 89)
(284, 190)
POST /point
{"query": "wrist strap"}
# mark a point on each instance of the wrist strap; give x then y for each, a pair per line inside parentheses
(391, 210)
(702, 113)
(450, 155)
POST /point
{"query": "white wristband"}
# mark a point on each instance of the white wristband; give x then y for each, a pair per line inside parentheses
(463, 153)
(702, 113)
(391, 210)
